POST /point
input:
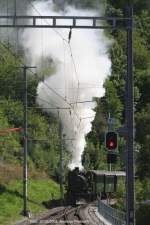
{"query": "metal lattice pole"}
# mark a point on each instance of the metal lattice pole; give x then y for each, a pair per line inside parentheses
(25, 153)
(25, 166)
(130, 122)
(61, 163)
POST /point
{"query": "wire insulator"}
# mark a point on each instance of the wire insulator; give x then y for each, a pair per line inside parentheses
(70, 35)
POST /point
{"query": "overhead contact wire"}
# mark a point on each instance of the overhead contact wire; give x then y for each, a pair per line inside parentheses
(73, 63)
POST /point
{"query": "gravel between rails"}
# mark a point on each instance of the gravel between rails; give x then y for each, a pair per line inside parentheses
(44, 216)
(81, 215)
(88, 212)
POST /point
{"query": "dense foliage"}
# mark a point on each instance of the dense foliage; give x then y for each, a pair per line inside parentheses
(113, 102)
(43, 129)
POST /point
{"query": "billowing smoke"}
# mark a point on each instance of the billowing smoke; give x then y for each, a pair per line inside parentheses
(81, 68)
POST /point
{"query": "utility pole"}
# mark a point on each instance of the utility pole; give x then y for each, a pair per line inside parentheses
(25, 153)
(15, 14)
(15, 8)
(61, 161)
(130, 122)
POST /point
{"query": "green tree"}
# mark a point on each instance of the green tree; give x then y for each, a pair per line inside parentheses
(143, 137)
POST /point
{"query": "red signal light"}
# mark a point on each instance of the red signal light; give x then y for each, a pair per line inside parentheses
(111, 142)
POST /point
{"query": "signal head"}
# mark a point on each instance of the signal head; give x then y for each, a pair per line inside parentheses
(111, 140)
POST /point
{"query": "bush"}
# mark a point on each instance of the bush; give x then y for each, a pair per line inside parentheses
(143, 215)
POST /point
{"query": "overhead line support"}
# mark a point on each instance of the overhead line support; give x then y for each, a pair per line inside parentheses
(130, 173)
(57, 22)
(58, 108)
(25, 152)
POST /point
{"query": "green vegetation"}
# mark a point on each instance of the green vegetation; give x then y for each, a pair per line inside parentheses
(43, 144)
(43, 129)
(142, 214)
(11, 201)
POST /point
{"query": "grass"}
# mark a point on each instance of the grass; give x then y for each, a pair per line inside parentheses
(11, 201)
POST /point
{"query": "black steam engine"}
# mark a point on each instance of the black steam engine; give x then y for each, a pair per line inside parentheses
(88, 185)
(77, 186)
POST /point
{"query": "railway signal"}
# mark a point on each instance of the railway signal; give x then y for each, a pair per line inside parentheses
(111, 158)
(111, 140)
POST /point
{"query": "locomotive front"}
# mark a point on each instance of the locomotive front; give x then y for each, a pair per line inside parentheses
(77, 186)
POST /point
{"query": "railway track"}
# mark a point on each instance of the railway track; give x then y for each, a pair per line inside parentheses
(80, 215)
(70, 215)
(77, 217)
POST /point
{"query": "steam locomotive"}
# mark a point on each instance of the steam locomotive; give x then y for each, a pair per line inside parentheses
(89, 185)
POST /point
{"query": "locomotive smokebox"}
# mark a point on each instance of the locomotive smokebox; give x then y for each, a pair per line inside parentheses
(76, 170)
(77, 185)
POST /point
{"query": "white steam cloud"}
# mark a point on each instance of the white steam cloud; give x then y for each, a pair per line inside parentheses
(81, 70)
